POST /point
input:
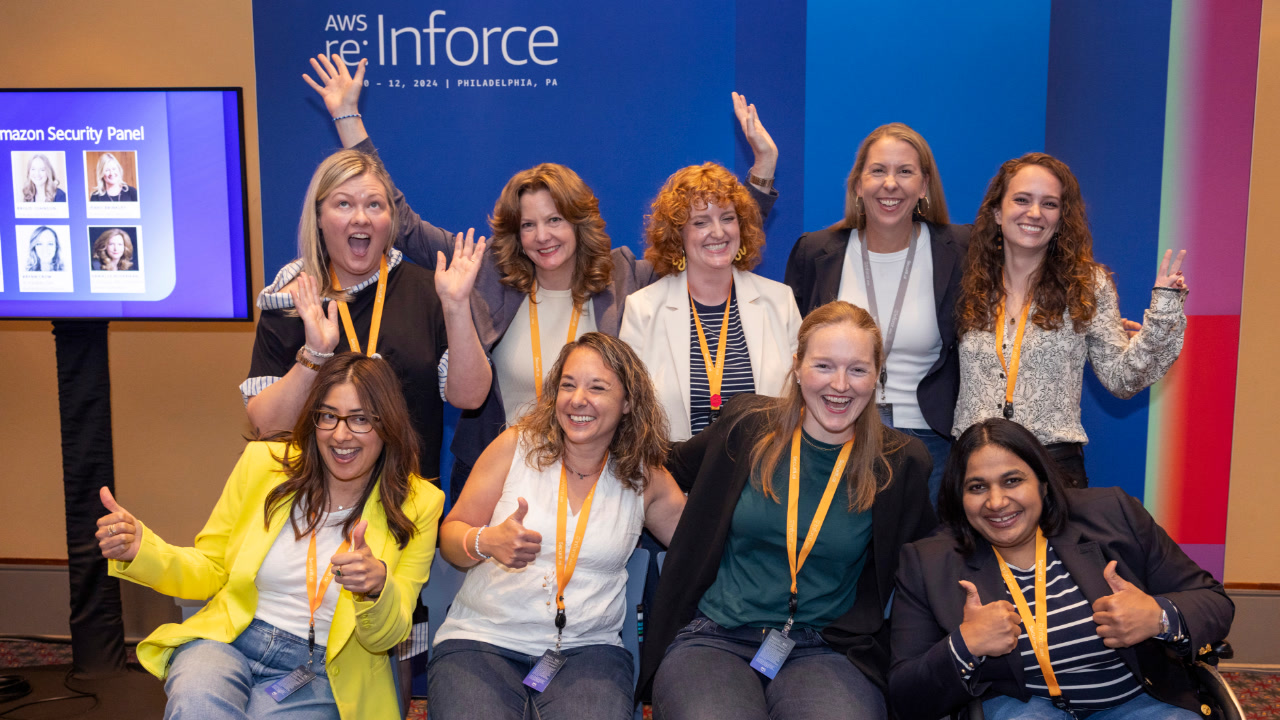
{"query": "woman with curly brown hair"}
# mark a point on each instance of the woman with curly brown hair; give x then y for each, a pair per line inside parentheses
(551, 274)
(710, 328)
(587, 464)
(1034, 305)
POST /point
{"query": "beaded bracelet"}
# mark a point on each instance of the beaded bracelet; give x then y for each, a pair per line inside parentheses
(344, 117)
(482, 555)
(316, 353)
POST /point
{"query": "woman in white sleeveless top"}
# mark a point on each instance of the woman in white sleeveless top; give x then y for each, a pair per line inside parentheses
(593, 452)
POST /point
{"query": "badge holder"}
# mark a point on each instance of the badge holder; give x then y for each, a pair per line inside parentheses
(550, 663)
(299, 678)
(776, 647)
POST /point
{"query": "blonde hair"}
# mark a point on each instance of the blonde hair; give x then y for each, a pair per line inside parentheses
(936, 212)
(784, 414)
(101, 187)
(31, 193)
(332, 172)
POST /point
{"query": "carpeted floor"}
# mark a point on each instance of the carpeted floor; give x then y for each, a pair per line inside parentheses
(1258, 692)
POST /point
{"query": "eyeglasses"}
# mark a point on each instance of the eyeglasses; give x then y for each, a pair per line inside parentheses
(359, 424)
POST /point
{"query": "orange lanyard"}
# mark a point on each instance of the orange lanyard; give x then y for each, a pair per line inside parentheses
(565, 565)
(1037, 626)
(315, 595)
(715, 368)
(537, 338)
(1010, 369)
(379, 299)
(819, 515)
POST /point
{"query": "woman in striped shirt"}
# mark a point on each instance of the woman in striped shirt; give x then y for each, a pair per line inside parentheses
(709, 329)
(1112, 603)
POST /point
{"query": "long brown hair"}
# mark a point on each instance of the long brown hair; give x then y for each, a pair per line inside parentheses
(394, 472)
(1067, 278)
(871, 446)
(936, 211)
(592, 263)
(640, 441)
(705, 184)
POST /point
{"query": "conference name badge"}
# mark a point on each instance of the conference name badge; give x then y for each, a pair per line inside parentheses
(291, 683)
(772, 653)
(545, 671)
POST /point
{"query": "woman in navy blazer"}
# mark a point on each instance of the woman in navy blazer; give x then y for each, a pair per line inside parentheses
(955, 632)
(894, 192)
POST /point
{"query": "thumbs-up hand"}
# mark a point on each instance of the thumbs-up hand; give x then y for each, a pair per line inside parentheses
(119, 536)
(1127, 616)
(990, 629)
(511, 543)
(357, 569)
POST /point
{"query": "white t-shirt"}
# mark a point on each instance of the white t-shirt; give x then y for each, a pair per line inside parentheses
(917, 343)
(282, 579)
(513, 354)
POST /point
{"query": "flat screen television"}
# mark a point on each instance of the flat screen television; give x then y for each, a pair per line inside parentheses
(124, 204)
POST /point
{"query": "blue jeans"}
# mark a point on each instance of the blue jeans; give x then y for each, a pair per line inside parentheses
(939, 448)
(1142, 707)
(706, 673)
(469, 679)
(211, 679)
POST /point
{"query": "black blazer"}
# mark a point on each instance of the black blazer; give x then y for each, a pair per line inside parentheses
(813, 272)
(713, 468)
(1105, 524)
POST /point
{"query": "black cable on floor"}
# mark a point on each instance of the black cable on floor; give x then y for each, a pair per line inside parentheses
(80, 695)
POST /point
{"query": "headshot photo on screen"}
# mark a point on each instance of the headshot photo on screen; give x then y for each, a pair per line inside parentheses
(44, 258)
(114, 249)
(111, 178)
(39, 183)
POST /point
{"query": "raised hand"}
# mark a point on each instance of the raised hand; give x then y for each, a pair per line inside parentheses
(357, 569)
(511, 543)
(762, 145)
(990, 629)
(321, 329)
(119, 536)
(340, 91)
(1127, 616)
(454, 283)
(1170, 276)
(1131, 328)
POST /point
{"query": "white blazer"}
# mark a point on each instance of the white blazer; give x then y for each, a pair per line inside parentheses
(655, 323)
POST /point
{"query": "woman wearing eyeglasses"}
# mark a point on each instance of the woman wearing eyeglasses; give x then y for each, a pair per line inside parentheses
(311, 563)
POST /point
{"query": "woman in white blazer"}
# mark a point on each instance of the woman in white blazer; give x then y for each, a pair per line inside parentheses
(709, 329)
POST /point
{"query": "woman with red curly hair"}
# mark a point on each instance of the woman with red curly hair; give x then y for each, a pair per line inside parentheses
(710, 328)
(1034, 305)
(551, 274)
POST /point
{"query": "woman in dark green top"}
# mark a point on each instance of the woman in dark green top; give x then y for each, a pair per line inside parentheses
(736, 633)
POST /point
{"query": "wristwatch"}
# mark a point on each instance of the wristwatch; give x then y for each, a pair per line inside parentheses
(302, 359)
(1164, 622)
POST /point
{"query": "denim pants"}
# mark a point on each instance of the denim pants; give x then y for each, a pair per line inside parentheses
(1143, 707)
(210, 679)
(939, 448)
(469, 679)
(706, 674)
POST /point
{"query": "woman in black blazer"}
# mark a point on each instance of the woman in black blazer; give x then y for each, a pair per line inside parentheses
(894, 201)
(1124, 603)
(727, 585)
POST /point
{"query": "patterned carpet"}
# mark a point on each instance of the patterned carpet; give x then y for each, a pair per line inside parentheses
(1258, 692)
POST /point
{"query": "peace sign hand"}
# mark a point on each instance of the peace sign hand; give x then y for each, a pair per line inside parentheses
(1170, 276)
(341, 91)
(454, 283)
(321, 328)
(762, 145)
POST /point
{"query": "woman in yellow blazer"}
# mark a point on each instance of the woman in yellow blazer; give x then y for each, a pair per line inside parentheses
(345, 480)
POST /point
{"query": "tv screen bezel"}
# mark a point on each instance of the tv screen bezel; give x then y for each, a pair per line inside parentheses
(244, 211)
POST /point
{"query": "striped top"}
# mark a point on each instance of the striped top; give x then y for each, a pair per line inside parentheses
(1091, 675)
(737, 377)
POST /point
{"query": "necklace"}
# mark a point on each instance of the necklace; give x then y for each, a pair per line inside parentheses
(581, 476)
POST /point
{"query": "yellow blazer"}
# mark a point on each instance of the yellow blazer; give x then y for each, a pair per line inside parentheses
(655, 323)
(230, 549)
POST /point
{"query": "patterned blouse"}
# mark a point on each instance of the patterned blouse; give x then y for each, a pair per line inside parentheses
(1046, 399)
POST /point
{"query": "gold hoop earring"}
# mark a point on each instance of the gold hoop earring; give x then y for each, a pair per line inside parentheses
(679, 263)
(922, 206)
(742, 252)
